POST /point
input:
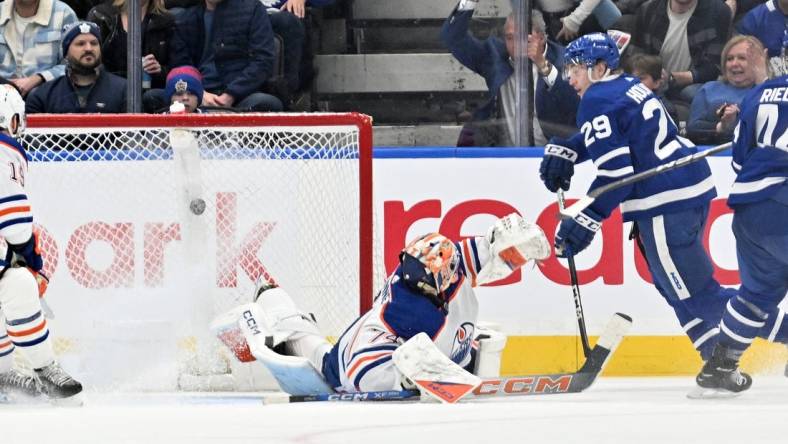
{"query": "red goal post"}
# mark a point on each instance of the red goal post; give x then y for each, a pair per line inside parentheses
(146, 217)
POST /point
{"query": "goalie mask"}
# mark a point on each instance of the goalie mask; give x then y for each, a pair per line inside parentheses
(429, 264)
(12, 111)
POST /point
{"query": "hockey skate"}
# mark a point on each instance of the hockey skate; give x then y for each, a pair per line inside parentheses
(720, 377)
(56, 383)
(14, 384)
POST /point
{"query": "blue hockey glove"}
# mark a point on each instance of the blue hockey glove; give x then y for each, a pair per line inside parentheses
(558, 166)
(574, 235)
(29, 253)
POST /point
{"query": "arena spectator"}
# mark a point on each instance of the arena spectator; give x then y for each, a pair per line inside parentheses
(82, 7)
(767, 22)
(493, 124)
(648, 68)
(184, 86)
(567, 19)
(157, 29)
(287, 21)
(86, 87)
(232, 44)
(715, 109)
(30, 47)
(688, 35)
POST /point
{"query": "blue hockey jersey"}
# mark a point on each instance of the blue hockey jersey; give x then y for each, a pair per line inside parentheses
(760, 144)
(625, 130)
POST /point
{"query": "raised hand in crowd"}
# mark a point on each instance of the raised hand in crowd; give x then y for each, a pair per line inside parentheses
(295, 7)
(150, 65)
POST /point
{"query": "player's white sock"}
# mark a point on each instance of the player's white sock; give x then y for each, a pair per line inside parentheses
(25, 323)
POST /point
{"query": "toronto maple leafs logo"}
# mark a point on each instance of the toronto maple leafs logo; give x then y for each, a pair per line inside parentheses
(181, 86)
(463, 338)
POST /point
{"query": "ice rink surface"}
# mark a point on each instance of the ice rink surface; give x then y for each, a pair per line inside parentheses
(614, 410)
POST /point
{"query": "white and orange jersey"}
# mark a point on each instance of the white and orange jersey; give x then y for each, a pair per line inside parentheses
(16, 217)
(361, 359)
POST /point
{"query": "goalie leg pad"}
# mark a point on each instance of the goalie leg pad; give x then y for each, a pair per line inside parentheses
(282, 318)
(296, 375)
(25, 324)
(488, 355)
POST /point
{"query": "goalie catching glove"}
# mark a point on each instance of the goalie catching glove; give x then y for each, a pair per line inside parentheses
(513, 241)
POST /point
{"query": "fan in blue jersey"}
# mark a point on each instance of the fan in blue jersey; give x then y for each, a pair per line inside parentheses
(626, 130)
(23, 326)
(430, 291)
(759, 199)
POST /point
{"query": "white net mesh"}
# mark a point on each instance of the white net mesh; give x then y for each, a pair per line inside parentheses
(148, 233)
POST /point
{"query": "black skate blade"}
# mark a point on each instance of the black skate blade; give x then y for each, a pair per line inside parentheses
(711, 393)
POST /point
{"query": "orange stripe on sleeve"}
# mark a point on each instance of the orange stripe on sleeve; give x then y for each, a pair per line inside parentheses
(363, 360)
(468, 261)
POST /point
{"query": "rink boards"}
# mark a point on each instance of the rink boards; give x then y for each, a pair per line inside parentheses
(458, 192)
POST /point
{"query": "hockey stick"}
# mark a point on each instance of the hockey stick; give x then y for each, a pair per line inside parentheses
(584, 202)
(542, 384)
(581, 322)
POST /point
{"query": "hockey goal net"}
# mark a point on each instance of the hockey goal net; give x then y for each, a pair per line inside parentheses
(153, 224)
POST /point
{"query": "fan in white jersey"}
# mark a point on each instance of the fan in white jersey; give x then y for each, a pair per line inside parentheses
(430, 291)
(23, 327)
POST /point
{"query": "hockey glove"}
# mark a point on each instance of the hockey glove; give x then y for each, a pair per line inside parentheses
(558, 166)
(574, 235)
(513, 241)
(28, 254)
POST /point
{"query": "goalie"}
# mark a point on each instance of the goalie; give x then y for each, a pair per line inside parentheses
(430, 291)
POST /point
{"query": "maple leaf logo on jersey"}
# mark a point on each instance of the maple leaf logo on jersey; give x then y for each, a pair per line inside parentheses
(463, 339)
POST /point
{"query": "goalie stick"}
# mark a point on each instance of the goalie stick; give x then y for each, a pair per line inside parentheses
(573, 210)
(581, 322)
(541, 384)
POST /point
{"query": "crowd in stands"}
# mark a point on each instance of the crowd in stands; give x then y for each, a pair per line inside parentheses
(70, 56)
(699, 56)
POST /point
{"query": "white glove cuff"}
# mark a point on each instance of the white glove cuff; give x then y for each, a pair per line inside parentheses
(588, 222)
(560, 151)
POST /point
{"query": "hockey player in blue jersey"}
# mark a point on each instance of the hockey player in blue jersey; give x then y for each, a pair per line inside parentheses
(625, 130)
(430, 291)
(759, 198)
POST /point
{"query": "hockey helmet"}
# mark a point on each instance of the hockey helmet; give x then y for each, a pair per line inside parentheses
(429, 264)
(12, 105)
(589, 49)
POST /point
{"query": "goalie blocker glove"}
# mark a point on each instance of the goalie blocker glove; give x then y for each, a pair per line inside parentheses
(574, 235)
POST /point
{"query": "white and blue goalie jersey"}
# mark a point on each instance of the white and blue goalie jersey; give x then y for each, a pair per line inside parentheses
(625, 130)
(760, 145)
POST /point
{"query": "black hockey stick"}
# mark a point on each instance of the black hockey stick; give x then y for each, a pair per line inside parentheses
(581, 321)
(584, 202)
(543, 384)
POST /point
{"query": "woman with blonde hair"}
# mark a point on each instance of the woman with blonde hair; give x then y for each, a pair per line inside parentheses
(715, 108)
(157, 28)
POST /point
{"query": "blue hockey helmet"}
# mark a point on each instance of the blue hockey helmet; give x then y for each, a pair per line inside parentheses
(589, 49)
(429, 264)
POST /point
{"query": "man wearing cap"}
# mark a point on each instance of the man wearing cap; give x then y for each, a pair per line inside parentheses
(184, 86)
(86, 87)
(30, 33)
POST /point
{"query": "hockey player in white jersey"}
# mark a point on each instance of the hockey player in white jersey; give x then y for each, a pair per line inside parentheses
(430, 291)
(23, 327)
